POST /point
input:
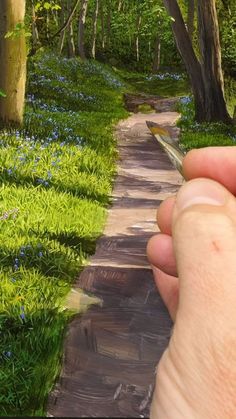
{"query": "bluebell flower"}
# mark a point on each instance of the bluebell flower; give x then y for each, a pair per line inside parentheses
(40, 254)
(7, 354)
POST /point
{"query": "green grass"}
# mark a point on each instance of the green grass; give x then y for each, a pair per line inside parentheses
(164, 84)
(56, 178)
(196, 135)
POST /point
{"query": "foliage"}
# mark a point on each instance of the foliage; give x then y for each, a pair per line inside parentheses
(18, 31)
(164, 84)
(196, 135)
(56, 176)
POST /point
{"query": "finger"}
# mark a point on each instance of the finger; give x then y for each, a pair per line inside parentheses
(217, 163)
(161, 254)
(164, 215)
(168, 287)
(204, 236)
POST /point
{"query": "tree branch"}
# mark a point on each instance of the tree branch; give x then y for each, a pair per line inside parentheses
(62, 29)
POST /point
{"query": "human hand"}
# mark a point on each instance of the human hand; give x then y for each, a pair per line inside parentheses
(194, 263)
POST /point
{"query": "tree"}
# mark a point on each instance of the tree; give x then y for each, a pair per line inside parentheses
(13, 61)
(205, 75)
(191, 13)
(81, 27)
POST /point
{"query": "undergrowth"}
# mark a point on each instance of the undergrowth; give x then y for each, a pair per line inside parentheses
(56, 177)
(198, 135)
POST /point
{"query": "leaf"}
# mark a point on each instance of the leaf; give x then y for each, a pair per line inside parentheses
(2, 94)
(47, 5)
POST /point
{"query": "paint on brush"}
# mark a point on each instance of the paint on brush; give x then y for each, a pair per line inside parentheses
(163, 137)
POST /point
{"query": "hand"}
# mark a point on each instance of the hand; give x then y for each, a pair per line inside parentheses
(194, 264)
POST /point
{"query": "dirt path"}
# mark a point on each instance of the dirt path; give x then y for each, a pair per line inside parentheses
(111, 351)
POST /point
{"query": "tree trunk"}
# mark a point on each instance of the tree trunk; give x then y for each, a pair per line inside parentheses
(95, 22)
(35, 33)
(207, 88)
(70, 34)
(187, 53)
(109, 23)
(138, 25)
(191, 14)
(215, 106)
(102, 24)
(62, 21)
(120, 4)
(82, 20)
(13, 63)
(157, 55)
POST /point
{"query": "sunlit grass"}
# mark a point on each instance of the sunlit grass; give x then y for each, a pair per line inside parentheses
(56, 178)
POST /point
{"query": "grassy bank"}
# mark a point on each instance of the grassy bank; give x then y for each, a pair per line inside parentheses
(196, 135)
(56, 177)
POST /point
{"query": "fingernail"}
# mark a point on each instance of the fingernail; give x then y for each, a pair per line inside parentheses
(200, 192)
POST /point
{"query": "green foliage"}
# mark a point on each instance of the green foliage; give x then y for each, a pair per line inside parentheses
(18, 31)
(196, 135)
(56, 177)
(45, 5)
(2, 94)
(164, 84)
(190, 140)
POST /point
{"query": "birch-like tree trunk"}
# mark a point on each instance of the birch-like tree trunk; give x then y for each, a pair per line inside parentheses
(138, 26)
(102, 25)
(13, 63)
(95, 23)
(157, 55)
(35, 33)
(71, 41)
(62, 21)
(82, 20)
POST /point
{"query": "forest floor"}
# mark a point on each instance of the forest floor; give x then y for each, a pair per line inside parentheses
(111, 351)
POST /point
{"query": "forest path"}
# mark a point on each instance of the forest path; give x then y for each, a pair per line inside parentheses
(112, 350)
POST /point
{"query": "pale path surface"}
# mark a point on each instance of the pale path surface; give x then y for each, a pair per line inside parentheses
(111, 351)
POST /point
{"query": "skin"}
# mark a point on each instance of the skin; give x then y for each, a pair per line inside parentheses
(194, 266)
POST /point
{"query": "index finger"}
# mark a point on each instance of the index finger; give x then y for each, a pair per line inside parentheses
(217, 163)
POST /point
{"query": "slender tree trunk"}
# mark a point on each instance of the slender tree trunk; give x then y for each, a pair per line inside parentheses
(206, 77)
(62, 34)
(157, 55)
(215, 106)
(95, 22)
(102, 24)
(191, 14)
(71, 41)
(109, 23)
(82, 20)
(13, 63)
(138, 25)
(47, 24)
(120, 4)
(35, 33)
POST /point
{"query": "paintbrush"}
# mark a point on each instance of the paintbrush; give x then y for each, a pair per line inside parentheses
(173, 151)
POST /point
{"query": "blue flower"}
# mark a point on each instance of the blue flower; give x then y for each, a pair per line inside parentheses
(40, 254)
(7, 354)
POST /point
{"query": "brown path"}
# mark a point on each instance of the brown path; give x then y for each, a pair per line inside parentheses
(111, 351)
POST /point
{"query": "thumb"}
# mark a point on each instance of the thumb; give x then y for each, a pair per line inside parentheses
(204, 237)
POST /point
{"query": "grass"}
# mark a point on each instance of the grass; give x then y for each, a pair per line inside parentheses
(56, 178)
(196, 135)
(164, 84)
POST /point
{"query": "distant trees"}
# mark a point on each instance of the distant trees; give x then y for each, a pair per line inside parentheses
(13, 61)
(205, 73)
